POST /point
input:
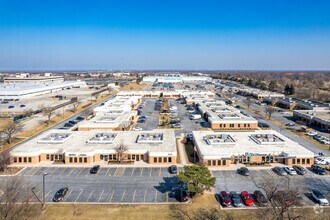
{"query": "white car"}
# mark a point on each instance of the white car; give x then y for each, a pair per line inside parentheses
(321, 161)
(320, 198)
(285, 113)
(290, 170)
(311, 133)
(137, 129)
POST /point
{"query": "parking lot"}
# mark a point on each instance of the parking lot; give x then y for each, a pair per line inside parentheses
(230, 180)
(109, 185)
(151, 116)
(84, 171)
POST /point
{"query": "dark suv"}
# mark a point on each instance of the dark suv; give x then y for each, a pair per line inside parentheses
(60, 194)
(318, 169)
(94, 169)
(260, 198)
(299, 169)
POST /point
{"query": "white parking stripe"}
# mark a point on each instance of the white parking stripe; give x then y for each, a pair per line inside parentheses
(113, 192)
(145, 194)
(90, 195)
(62, 171)
(122, 197)
(78, 195)
(133, 195)
(100, 196)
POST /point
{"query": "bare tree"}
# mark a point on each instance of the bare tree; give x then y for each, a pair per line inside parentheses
(248, 102)
(282, 195)
(121, 149)
(29, 112)
(269, 110)
(75, 105)
(16, 200)
(96, 96)
(5, 159)
(86, 113)
(49, 112)
(10, 130)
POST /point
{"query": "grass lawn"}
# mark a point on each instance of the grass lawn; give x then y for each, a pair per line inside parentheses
(133, 86)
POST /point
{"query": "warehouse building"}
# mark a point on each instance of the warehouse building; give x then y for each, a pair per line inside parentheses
(224, 117)
(221, 149)
(18, 91)
(88, 147)
(298, 104)
(176, 79)
(27, 78)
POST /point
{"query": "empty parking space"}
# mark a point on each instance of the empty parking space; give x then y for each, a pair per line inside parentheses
(128, 171)
(146, 171)
(95, 196)
(83, 197)
(137, 171)
(58, 171)
(139, 195)
(105, 196)
(155, 171)
(73, 195)
(129, 195)
(103, 171)
(111, 172)
(118, 195)
(76, 171)
(83, 172)
(150, 195)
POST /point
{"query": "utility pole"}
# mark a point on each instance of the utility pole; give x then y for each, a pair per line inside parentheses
(43, 190)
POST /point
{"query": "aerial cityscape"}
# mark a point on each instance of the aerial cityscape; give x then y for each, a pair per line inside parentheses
(170, 110)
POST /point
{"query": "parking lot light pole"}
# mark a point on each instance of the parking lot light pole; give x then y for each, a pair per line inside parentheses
(43, 190)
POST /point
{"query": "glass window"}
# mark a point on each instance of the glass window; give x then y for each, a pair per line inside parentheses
(75, 160)
(224, 162)
(165, 159)
(155, 159)
(142, 157)
(308, 161)
(85, 159)
(248, 125)
(224, 125)
(220, 125)
(20, 159)
(209, 162)
(114, 157)
(293, 161)
(219, 162)
(160, 159)
(30, 159)
(47, 156)
(244, 125)
(239, 125)
(303, 161)
(15, 159)
(214, 162)
(70, 160)
(298, 161)
(170, 159)
(133, 157)
(110, 156)
(25, 159)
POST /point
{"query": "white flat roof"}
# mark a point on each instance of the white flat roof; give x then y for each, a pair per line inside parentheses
(84, 143)
(219, 112)
(260, 142)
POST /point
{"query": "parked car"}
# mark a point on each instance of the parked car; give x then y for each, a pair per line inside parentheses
(311, 133)
(260, 198)
(290, 124)
(244, 171)
(67, 125)
(318, 169)
(11, 106)
(225, 199)
(73, 122)
(236, 199)
(173, 169)
(60, 194)
(80, 118)
(183, 196)
(22, 106)
(141, 120)
(137, 129)
(320, 161)
(280, 171)
(299, 169)
(290, 170)
(247, 199)
(195, 117)
(320, 198)
(94, 169)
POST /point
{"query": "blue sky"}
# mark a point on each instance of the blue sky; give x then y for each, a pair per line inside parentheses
(141, 34)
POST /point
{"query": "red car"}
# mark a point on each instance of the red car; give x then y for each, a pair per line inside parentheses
(225, 199)
(247, 199)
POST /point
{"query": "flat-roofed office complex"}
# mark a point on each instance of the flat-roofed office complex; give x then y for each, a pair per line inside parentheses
(254, 147)
(317, 118)
(224, 117)
(86, 147)
(27, 78)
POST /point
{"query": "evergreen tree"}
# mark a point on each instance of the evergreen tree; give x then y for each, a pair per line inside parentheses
(198, 178)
